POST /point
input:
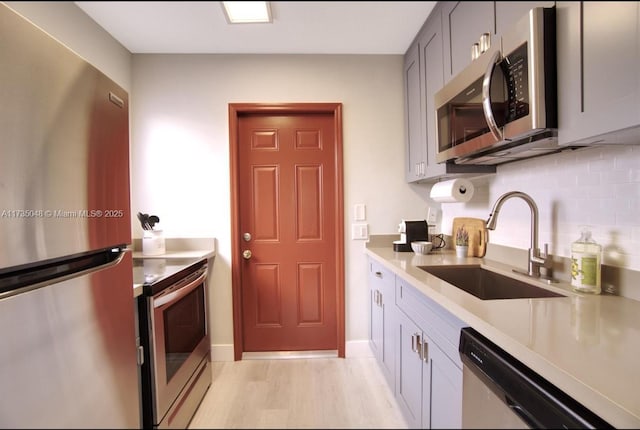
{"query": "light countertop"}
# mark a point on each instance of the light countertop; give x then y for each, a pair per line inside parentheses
(587, 345)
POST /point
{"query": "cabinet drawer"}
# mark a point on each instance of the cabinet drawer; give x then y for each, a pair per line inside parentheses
(438, 323)
(380, 275)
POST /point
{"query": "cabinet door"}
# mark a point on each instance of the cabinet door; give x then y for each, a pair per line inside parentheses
(509, 12)
(446, 390)
(432, 74)
(463, 24)
(598, 70)
(411, 374)
(413, 115)
(375, 322)
(389, 328)
(382, 320)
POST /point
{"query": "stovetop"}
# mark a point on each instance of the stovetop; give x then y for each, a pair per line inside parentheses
(153, 271)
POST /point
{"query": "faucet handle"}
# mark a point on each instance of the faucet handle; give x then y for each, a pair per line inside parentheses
(548, 262)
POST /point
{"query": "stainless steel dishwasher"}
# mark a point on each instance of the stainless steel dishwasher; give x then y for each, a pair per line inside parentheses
(501, 392)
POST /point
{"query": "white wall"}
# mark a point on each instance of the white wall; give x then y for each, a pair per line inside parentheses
(180, 149)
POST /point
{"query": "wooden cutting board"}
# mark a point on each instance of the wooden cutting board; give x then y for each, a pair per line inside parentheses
(478, 234)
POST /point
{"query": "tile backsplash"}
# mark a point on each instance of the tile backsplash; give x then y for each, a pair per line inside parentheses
(598, 186)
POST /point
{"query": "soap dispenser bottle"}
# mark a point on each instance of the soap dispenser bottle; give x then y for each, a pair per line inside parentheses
(586, 257)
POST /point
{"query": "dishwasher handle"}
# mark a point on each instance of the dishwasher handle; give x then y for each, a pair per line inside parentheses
(523, 414)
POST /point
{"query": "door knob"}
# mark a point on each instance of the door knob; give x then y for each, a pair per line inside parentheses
(246, 254)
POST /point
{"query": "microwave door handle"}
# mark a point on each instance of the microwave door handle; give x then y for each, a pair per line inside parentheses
(486, 97)
(179, 293)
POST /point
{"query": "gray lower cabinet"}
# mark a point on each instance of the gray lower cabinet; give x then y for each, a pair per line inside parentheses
(382, 319)
(598, 72)
(415, 342)
(429, 384)
(428, 367)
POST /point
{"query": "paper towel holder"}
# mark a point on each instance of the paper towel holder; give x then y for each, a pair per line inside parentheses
(451, 191)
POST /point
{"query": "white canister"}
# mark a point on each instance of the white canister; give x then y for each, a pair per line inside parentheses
(153, 243)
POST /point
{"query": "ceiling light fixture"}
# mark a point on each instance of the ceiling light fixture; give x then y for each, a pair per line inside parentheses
(244, 12)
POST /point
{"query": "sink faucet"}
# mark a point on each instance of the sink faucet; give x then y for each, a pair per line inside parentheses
(536, 260)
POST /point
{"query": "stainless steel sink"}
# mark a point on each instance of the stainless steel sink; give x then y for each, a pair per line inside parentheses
(487, 285)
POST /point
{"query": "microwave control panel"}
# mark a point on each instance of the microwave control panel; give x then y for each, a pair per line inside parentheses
(515, 69)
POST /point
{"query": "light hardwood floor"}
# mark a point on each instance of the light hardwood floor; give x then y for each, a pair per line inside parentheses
(316, 393)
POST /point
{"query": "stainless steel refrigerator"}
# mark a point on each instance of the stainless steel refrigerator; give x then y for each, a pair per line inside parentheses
(68, 354)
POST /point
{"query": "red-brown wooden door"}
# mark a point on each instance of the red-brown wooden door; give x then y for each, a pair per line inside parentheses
(289, 212)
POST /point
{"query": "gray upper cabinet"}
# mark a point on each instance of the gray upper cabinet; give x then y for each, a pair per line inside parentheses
(508, 12)
(423, 77)
(463, 24)
(432, 74)
(415, 147)
(598, 72)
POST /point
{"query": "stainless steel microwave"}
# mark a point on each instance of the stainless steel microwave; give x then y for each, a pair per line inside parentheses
(503, 106)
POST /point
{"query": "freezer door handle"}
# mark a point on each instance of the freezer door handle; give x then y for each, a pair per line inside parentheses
(50, 273)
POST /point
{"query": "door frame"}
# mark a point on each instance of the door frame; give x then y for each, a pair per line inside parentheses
(235, 111)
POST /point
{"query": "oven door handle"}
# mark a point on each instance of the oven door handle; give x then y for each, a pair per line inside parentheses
(174, 296)
(486, 96)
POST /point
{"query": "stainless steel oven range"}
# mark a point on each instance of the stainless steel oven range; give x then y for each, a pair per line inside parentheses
(176, 371)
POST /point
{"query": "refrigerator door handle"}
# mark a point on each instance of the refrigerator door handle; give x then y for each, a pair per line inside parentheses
(27, 280)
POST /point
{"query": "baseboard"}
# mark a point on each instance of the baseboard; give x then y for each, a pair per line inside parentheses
(222, 352)
(357, 349)
(353, 349)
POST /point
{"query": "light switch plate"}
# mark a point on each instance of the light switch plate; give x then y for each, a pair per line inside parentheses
(359, 231)
(359, 212)
(432, 216)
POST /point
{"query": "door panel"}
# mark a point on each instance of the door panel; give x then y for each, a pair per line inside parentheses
(288, 185)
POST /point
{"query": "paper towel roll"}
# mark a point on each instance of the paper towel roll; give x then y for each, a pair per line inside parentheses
(455, 190)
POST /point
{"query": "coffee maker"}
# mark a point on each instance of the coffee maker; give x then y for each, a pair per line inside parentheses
(410, 231)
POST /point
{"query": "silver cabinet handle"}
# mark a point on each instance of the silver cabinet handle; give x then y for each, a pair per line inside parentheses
(424, 351)
(415, 344)
(246, 254)
(379, 274)
(377, 298)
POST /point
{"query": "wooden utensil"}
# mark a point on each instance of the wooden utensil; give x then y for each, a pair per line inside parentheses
(478, 234)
